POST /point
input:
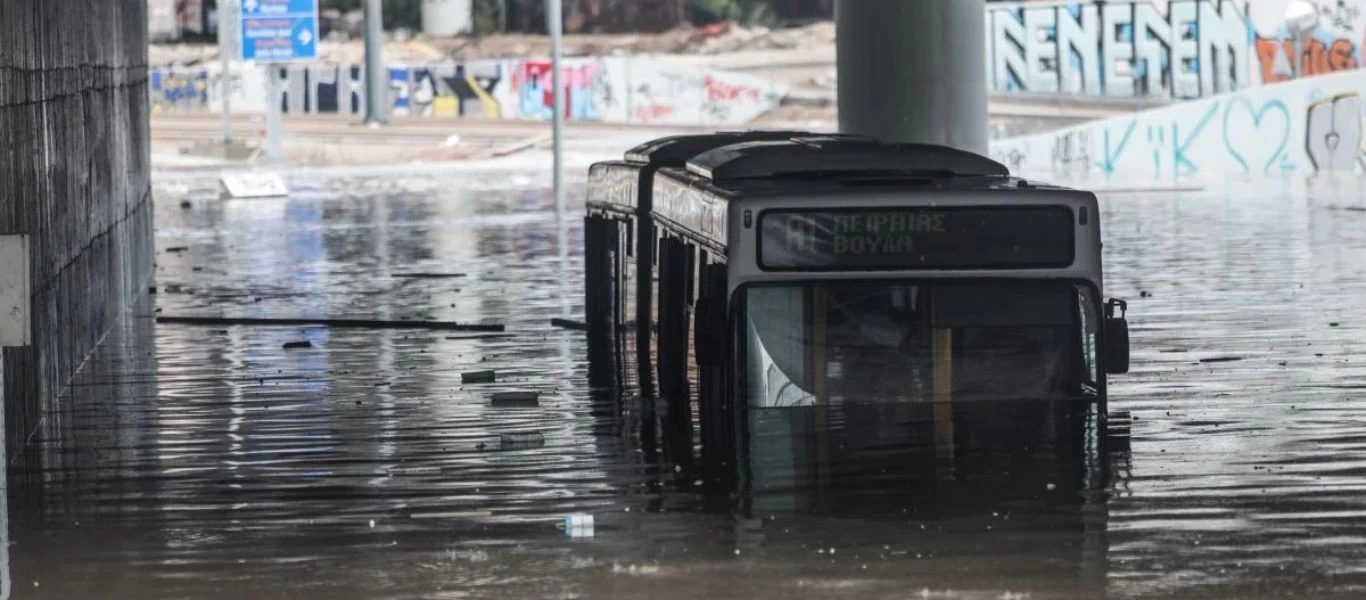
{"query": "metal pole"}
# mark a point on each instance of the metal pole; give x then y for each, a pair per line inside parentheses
(555, 20)
(375, 75)
(225, 49)
(502, 16)
(274, 150)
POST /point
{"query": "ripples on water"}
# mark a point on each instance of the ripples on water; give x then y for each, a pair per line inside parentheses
(214, 463)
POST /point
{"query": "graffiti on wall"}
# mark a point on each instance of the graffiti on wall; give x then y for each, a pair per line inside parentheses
(1164, 48)
(587, 88)
(1333, 133)
(178, 91)
(595, 90)
(1192, 48)
(1307, 126)
(476, 88)
(1335, 44)
(678, 94)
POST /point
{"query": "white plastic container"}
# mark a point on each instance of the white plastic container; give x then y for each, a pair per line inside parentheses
(578, 526)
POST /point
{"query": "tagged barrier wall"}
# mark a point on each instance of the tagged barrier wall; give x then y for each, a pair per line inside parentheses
(1301, 127)
(615, 90)
(1164, 48)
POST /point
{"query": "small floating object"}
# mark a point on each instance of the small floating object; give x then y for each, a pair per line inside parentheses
(521, 441)
(298, 345)
(517, 399)
(400, 471)
(253, 184)
(569, 324)
(578, 526)
(463, 514)
(478, 377)
(429, 275)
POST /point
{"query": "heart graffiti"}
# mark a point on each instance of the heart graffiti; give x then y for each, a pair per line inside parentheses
(1251, 138)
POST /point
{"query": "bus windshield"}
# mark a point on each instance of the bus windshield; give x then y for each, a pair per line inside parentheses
(822, 343)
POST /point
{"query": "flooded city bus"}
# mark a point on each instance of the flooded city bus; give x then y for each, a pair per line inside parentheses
(620, 244)
(841, 311)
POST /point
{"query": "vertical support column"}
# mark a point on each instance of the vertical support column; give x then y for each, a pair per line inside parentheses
(376, 76)
(913, 71)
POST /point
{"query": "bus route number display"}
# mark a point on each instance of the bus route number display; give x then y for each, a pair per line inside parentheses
(897, 238)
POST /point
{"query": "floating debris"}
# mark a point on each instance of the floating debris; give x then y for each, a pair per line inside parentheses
(463, 514)
(429, 275)
(297, 345)
(478, 377)
(1221, 359)
(521, 441)
(334, 323)
(400, 471)
(569, 324)
(578, 526)
(517, 399)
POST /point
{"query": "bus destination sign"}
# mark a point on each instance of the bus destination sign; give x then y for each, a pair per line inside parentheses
(998, 237)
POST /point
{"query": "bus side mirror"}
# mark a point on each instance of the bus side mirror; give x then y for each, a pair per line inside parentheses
(709, 325)
(1116, 337)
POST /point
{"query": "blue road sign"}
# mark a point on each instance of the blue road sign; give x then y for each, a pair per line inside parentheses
(279, 30)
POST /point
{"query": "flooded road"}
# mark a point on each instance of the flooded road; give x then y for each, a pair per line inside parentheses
(211, 462)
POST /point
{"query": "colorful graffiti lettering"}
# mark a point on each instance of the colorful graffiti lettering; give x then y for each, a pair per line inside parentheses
(1181, 49)
(587, 90)
(596, 89)
(1194, 48)
(173, 91)
(1319, 58)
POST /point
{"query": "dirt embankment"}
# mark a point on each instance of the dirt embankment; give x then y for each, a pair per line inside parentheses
(712, 40)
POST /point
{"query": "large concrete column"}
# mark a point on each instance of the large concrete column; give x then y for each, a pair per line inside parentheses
(913, 70)
(75, 178)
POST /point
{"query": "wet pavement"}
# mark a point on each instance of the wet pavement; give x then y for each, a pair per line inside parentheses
(211, 462)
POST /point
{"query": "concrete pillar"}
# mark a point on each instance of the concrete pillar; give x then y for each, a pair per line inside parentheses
(913, 70)
(75, 178)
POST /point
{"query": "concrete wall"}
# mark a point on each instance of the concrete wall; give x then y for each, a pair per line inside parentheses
(1166, 48)
(74, 150)
(617, 90)
(1296, 128)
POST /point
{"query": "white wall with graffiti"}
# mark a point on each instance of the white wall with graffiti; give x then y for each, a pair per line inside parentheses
(1164, 48)
(1294, 128)
(618, 90)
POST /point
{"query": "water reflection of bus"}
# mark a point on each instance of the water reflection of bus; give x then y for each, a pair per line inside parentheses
(843, 313)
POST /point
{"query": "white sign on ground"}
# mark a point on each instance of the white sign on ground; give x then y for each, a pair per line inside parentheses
(253, 185)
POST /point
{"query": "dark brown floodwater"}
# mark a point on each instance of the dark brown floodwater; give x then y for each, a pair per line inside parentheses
(209, 462)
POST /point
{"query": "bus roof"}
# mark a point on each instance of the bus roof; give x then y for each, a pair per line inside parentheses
(676, 151)
(817, 157)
